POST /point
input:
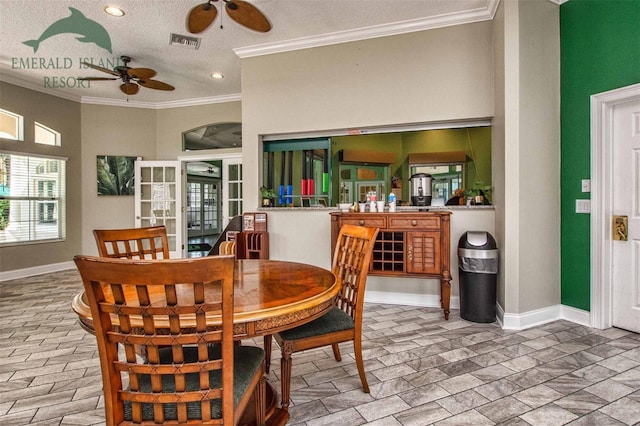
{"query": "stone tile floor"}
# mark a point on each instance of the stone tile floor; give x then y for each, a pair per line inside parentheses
(422, 370)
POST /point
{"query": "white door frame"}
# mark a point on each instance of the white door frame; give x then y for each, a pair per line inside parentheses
(602, 105)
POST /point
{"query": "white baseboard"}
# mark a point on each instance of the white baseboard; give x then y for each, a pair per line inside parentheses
(36, 270)
(576, 315)
(507, 321)
(531, 318)
(408, 299)
(542, 316)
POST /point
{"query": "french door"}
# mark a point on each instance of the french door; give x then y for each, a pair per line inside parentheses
(158, 200)
(231, 188)
(204, 209)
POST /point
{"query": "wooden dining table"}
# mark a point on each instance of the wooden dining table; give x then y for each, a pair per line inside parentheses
(269, 296)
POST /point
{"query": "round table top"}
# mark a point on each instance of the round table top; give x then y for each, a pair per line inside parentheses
(269, 296)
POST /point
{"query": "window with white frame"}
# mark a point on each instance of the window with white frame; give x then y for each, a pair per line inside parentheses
(32, 199)
(11, 125)
(46, 136)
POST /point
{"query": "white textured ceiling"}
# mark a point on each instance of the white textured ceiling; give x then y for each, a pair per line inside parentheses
(144, 33)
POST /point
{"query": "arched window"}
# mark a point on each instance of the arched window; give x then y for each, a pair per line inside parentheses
(46, 136)
(11, 125)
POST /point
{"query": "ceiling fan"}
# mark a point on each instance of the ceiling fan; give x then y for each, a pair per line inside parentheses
(131, 77)
(244, 13)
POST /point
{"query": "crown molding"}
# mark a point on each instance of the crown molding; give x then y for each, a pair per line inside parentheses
(447, 20)
(163, 105)
(38, 88)
(90, 100)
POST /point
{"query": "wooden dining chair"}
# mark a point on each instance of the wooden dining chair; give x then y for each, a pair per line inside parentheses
(164, 305)
(343, 322)
(228, 247)
(133, 243)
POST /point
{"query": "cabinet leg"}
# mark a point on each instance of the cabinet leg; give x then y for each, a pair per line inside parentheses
(445, 295)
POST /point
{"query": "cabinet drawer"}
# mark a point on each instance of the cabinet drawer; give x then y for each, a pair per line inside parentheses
(411, 222)
(369, 222)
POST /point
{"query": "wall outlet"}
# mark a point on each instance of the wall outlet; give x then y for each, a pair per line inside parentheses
(586, 185)
(583, 206)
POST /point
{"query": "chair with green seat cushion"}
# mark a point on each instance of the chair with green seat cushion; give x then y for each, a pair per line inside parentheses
(247, 360)
(193, 372)
(343, 323)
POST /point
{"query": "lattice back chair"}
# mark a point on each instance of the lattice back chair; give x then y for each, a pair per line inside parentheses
(228, 247)
(133, 243)
(343, 323)
(164, 305)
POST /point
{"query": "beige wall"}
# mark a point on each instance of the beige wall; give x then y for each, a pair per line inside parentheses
(539, 136)
(506, 69)
(527, 146)
(444, 74)
(111, 130)
(63, 116)
(498, 129)
(171, 122)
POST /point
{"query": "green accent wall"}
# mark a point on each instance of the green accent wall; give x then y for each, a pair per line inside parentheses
(600, 51)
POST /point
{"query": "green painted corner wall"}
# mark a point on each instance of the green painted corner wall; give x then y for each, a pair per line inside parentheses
(600, 51)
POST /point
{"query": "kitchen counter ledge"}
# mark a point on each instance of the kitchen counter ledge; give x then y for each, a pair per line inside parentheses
(398, 209)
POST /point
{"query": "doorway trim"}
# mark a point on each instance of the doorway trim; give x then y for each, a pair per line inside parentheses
(602, 105)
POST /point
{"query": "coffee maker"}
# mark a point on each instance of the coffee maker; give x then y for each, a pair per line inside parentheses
(420, 189)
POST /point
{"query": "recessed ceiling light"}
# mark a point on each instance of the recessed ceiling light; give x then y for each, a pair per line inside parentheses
(217, 75)
(114, 11)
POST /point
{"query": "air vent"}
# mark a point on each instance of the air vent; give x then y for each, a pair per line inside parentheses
(185, 41)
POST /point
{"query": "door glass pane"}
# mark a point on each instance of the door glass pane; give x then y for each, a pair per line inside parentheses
(170, 174)
(146, 209)
(171, 226)
(145, 192)
(234, 172)
(158, 174)
(145, 174)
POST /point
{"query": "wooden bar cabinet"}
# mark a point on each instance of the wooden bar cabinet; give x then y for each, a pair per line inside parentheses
(409, 244)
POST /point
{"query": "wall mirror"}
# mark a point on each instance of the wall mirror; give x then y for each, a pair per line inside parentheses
(213, 136)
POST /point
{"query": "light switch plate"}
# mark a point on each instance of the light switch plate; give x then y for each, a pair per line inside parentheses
(583, 206)
(586, 185)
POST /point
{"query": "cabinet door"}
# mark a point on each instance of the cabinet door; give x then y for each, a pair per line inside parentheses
(423, 252)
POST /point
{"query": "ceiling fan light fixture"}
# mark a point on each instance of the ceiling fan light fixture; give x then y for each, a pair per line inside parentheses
(217, 76)
(114, 11)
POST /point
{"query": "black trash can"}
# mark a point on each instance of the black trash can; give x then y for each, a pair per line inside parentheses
(478, 269)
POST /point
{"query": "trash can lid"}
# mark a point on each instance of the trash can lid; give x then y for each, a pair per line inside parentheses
(477, 240)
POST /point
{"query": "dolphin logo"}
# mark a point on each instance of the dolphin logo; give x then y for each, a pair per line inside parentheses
(77, 23)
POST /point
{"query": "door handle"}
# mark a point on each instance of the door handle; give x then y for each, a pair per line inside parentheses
(620, 227)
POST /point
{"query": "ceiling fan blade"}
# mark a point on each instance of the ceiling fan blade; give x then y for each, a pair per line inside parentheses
(96, 67)
(129, 88)
(155, 84)
(247, 15)
(143, 73)
(95, 78)
(200, 17)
